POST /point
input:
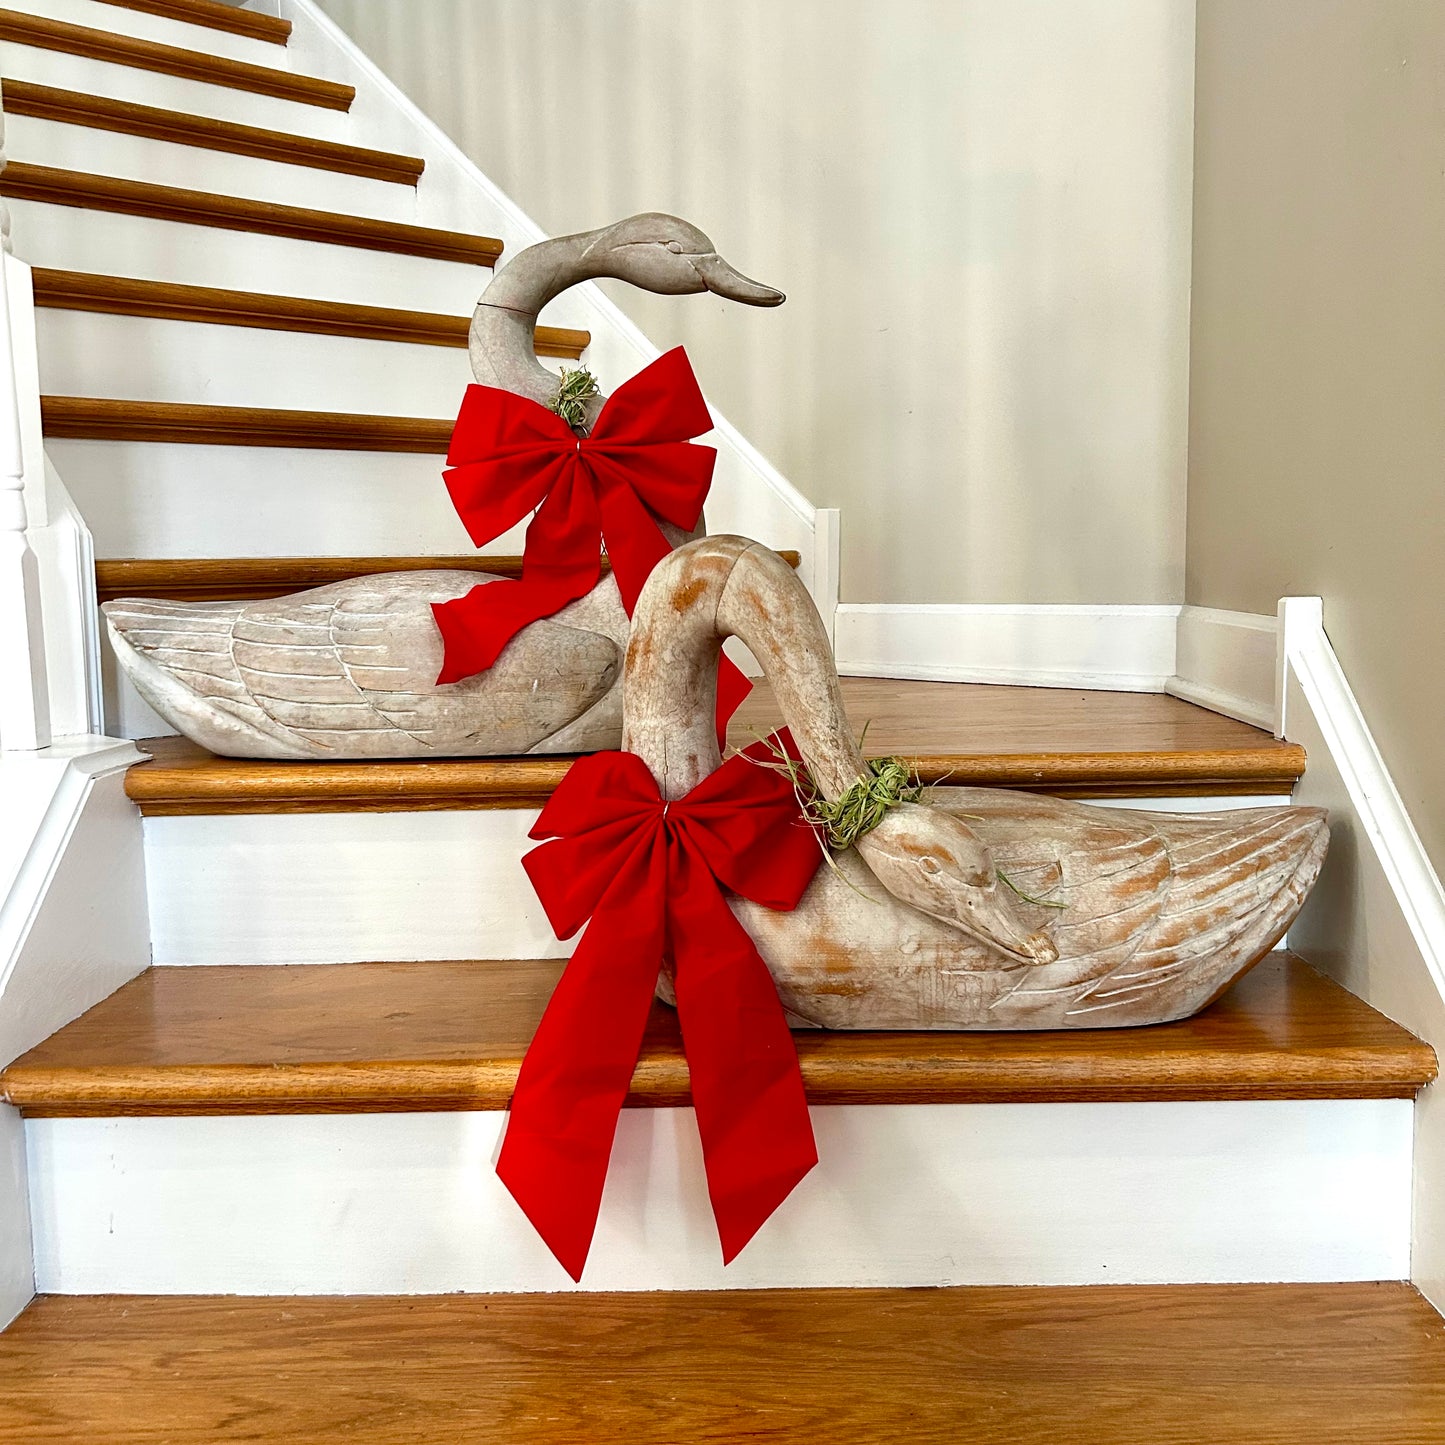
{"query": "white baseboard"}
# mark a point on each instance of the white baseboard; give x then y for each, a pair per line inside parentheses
(1116, 648)
(904, 1196)
(1228, 662)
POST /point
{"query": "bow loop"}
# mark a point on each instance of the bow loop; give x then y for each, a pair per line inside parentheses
(510, 456)
(662, 403)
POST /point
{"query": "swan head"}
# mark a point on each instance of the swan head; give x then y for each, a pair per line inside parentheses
(937, 864)
(672, 257)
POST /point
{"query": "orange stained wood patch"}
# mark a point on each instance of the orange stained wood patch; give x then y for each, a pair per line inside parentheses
(368, 1037)
(1331, 1364)
(1074, 744)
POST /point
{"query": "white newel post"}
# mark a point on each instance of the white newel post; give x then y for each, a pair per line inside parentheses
(24, 694)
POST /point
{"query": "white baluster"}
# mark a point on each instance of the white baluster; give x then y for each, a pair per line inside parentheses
(24, 693)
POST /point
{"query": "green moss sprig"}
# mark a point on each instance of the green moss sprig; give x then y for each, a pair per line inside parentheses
(577, 389)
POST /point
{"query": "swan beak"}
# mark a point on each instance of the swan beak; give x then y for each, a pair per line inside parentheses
(727, 281)
(989, 916)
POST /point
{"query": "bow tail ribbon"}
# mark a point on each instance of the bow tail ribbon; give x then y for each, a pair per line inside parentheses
(752, 1114)
(560, 563)
(577, 1071)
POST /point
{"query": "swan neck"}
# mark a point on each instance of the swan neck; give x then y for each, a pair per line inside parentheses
(502, 340)
(696, 598)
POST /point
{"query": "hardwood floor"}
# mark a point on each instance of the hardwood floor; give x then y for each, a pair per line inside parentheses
(372, 1037)
(1343, 1364)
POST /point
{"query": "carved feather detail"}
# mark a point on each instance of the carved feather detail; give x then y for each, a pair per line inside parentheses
(349, 669)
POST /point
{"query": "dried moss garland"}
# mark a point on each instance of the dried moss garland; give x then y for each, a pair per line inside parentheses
(863, 807)
(886, 783)
(577, 389)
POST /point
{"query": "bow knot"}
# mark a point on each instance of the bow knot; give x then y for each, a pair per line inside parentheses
(510, 456)
(650, 874)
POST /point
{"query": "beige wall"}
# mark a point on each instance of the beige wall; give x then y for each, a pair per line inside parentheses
(1317, 413)
(979, 208)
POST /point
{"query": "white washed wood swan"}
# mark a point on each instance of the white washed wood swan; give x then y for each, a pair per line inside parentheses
(348, 670)
(1145, 917)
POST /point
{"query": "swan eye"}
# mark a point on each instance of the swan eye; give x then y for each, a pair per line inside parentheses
(675, 247)
(930, 866)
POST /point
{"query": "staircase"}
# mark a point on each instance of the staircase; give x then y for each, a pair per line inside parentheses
(260, 1172)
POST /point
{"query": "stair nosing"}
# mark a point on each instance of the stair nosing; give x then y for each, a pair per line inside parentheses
(1180, 1062)
(235, 579)
(172, 301)
(193, 424)
(213, 786)
(51, 185)
(230, 18)
(19, 28)
(99, 112)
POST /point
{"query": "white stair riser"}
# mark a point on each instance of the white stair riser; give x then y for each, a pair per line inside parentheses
(166, 163)
(162, 499)
(173, 92)
(119, 20)
(356, 887)
(904, 1196)
(145, 359)
(76, 239)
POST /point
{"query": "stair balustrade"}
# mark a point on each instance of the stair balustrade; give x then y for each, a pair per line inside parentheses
(24, 692)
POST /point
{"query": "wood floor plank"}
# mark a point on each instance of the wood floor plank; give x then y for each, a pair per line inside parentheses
(420, 1037)
(1073, 744)
(1104, 1365)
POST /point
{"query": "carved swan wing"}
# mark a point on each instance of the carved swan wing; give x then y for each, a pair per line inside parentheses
(354, 662)
(1161, 912)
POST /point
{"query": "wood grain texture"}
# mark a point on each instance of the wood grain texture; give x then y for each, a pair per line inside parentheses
(45, 34)
(24, 182)
(99, 112)
(1103, 1365)
(210, 579)
(421, 1037)
(1074, 744)
(128, 296)
(215, 17)
(101, 419)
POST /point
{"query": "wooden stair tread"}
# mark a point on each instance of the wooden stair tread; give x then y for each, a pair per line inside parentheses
(214, 16)
(1074, 744)
(105, 419)
(219, 579)
(51, 186)
(167, 300)
(1297, 1364)
(100, 112)
(106, 45)
(381, 1037)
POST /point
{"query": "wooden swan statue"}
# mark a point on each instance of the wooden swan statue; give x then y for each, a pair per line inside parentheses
(349, 670)
(929, 921)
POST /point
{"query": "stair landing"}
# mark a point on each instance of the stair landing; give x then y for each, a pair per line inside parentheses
(1056, 740)
(1144, 1365)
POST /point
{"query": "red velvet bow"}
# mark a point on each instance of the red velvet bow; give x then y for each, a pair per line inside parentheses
(510, 455)
(651, 877)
